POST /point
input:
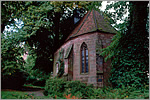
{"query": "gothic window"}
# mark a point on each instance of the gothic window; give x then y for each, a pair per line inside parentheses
(84, 58)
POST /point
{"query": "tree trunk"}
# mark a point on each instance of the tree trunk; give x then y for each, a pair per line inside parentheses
(56, 21)
(138, 30)
(139, 17)
(2, 28)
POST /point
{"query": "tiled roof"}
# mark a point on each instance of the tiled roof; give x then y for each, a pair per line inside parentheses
(92, 21)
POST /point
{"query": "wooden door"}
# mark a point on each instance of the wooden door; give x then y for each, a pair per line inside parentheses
(70, 66)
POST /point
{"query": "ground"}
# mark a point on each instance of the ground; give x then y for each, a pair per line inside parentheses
(23, 93)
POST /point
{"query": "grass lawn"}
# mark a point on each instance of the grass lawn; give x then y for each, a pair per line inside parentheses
(20, 95)
(15, 95)
(9, 94)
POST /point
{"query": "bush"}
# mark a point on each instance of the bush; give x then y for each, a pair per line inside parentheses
(78, 89)
(54, 87)
(12, 73)
(37, 77)
(60, 87)
(120, 93)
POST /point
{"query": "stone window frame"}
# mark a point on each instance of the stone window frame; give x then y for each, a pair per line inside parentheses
(85, 47)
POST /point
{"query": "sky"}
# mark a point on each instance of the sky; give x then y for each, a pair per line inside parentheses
(104, 3)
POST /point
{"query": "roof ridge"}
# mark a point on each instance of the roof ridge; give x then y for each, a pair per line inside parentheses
(95, 19)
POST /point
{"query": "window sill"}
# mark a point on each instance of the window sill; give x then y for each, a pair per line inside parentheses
(84, 73)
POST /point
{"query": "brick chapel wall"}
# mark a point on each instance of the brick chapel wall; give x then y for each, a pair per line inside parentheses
(56, 56)
(106, 39)
(89, 39)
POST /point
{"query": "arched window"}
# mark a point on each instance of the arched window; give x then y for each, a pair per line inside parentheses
(84, 58)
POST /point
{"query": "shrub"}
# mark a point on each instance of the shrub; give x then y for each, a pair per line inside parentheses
(37, 77)
(54, 87)
(77, 88)
(120, 93)
(12, 73)
(60, 88)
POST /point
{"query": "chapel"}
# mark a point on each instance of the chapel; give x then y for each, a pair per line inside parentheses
(80, 53)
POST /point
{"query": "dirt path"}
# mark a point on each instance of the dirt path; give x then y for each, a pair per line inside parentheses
(34, 91)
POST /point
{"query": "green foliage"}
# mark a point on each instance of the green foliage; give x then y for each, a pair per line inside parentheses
(8, 10)
(120, 93)
(54, 87)
(112, 49)
(121, 8)
(94, 5)
(59, 88)
(33, 86)
(130, 50)
(30, 61)
(21, 95)
(45, 25)
(78, 89)
(12, 62)
(100, 93)
(61, 69)
(61, 64)
(37, 77)
(14, 95)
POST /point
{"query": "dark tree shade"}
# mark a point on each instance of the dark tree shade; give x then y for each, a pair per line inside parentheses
(130, 65)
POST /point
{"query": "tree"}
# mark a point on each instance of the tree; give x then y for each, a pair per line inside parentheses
(8, 11)
(12, 62)
(130, 63)
(46, 29)
(44, 25)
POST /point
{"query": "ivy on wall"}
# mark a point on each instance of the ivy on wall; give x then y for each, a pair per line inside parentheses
(60, 62)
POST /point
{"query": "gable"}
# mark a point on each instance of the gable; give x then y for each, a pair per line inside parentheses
(92, 21)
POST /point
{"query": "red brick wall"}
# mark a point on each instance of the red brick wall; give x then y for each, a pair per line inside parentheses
(90, 39)
(106, 40)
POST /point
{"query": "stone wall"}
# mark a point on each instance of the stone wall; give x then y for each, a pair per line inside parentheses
(104, 40)
(90, 39)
